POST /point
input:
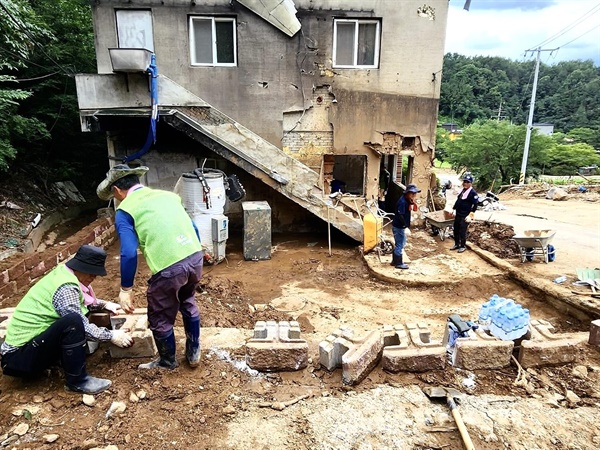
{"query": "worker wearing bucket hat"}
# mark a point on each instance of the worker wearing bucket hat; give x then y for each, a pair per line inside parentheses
(401, 224)
(156, 221)
(49, 324)
(464, 212)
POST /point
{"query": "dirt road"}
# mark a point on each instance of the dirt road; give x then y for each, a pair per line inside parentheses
(576, 222)
(219, 404)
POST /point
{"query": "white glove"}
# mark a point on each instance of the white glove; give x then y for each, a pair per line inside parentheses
(126, 300)
(121, 338)
(470, 217)
(114, 308)
(407, 231)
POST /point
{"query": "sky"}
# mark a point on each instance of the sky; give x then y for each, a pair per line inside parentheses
(508, 28)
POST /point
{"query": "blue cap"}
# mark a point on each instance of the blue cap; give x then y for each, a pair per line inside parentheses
(412, 188)
(468, 177)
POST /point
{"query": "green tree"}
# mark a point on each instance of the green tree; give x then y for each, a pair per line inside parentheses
(564, 159)
(493, 151)
(52, 143)
(18, 26)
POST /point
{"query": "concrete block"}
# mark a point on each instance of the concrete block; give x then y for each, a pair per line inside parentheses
(356, 357)
(420, 335)
(594, 338)
(362, 357)
(276, 346)
(143, 341)
(474, 354)
(143, 346)
(413, 359)
(91, 347)
(538, 353)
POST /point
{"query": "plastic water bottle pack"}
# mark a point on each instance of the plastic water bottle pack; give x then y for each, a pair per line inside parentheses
(504, 318)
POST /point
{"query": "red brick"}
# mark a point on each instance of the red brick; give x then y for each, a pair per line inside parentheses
(8, 289)
(50, 263)
(16, 271)
(22, 281)
(33, 260)
(37, 271)
(595, 333)
(100, 319)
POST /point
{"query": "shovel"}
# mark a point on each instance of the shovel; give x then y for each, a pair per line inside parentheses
(450, 395)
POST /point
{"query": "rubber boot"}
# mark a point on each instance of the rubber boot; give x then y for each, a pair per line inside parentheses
(400, 264)
(166, 352)
(78, 380)
(394, 260)
(192, 342)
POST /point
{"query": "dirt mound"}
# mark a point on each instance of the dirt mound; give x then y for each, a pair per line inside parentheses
(495, 238)
(224, 303)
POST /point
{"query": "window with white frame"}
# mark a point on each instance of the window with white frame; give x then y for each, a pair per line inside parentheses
(356, 43)
(212, 41)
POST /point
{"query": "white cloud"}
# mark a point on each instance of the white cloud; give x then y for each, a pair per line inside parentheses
(507, 28)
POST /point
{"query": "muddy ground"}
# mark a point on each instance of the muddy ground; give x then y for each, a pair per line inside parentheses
(224, 404)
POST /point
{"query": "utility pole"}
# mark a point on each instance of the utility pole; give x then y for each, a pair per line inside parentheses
(531, 108)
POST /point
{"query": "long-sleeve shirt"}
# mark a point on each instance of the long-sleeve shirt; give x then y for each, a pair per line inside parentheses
(402, 216)
(65, 301)
(465, 206)
(129, 244)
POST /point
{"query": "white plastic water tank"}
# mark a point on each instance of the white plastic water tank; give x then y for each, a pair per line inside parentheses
(195, 202)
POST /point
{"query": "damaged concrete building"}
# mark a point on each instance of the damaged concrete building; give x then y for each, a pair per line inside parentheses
(292, 93)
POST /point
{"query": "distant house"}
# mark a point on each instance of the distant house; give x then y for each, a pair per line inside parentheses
(287, 94)
(545, 129)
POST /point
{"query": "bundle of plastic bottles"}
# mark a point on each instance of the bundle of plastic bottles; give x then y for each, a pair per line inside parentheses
(504, 318)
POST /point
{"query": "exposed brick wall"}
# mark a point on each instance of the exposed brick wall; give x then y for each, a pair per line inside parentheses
(27, 269)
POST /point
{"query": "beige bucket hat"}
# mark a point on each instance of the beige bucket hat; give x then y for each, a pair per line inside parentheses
(116, 173)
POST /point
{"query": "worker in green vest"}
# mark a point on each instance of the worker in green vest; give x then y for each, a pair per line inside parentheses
(156, 221)
(49, 324)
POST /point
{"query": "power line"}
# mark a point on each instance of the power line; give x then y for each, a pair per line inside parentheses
(581, 35)
(568, 28)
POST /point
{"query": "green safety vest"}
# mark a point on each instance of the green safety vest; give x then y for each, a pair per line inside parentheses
(35, 312)
(164, 230)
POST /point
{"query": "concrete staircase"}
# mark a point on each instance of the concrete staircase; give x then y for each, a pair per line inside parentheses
(197, 119)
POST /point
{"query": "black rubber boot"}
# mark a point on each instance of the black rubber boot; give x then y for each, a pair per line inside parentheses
(394, 260)
(400, 264)
(78, 380)
(192, 342)
(166, 351)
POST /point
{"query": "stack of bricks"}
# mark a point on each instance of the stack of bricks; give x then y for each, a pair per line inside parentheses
(32, 266)
(356, 356)
(276, 346)
(411, 349)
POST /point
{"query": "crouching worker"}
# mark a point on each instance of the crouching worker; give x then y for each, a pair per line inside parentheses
(49, 325)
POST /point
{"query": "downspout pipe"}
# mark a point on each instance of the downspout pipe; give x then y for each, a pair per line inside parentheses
(152, 70)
